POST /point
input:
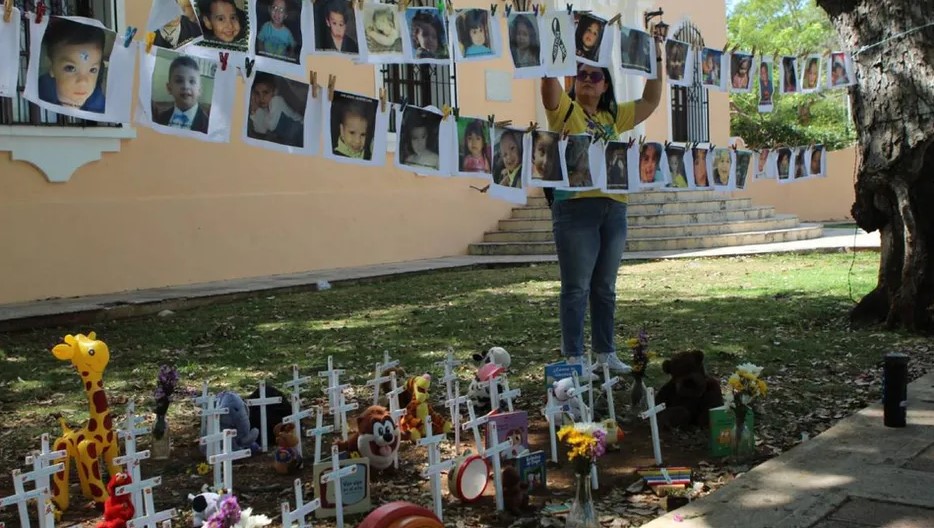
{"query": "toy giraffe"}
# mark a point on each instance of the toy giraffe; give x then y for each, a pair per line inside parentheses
(88, 444)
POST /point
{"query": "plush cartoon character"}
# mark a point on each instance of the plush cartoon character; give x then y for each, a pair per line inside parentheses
(237, 418)
(418, 410)
(377, 438)
(118, 509)
(495, 355)
(479, 389)
(274, 412)
(203, 506)
(515, 492)
(690, 393)
(573, 407)
(286, 459)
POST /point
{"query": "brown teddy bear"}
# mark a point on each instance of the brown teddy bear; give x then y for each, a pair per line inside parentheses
(690, 392)
(286, 459)
(515, 492)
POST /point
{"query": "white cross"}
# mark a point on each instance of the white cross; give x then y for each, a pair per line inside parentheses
(474, 423)
(335, 475)
(590, 366)
(493, 451)
(226, 458)
(302, 509)
(131, 458)
(296, 418)
(454, 407)
(297, 381)
(551, 411)
(333, 376)
(318, 431)
(578, 392)
(151, 518)
(508, 394)
(339, 412)
(449, 363)
(263, 401)
(40, 460)
(608, 384)
(394, 411)
(378, 379)
(651, 414)
(435, 465)
(213, 414)
(205, 401)
(21, 497)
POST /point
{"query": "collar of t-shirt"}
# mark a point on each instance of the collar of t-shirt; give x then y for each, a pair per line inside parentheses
(190, 114)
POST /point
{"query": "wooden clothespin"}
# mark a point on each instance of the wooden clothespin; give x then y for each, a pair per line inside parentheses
(481, 189)
(726, 47)
(382, 99)
(7, 10)
(614, 20)
(445, 112)
(332, 80)
(565, 132)
(40, 11)
(224, 55)
(641, 141)
(150, 40)
(502, 124)
(402, 4)
(127, 36)
(533, 126)
(313, 81)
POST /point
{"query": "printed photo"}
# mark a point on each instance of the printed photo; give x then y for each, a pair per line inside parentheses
(335, 27)
(224, 24)
(546, 162)
(722, 164)
(523, 40)
(277, 110)
(699, 157)
(741, 72)
(800, 169)
(810, 80)
(783, 162)
(353, 124)
(427, 33)
(182, 91)
(743, 158)
(841, 73)
(589, 37)
(617, 166)
(676, 54)
(650, 166)
(507, 157)
(577, 158)
(280, 29)
(762, 165)
(74, 64)
(711, 63)
(766, 88)
(475, 152)
(557, 38)
(816, 161)
(679, 177)
(184, 29)
(636, 50)
(474, 33)
(382, 29)
(789, 75)
(418, 138)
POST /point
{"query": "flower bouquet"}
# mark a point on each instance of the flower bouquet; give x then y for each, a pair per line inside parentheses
(640, 361)
(586, 442)
(166, 383)
(745, 386)
(229, 515)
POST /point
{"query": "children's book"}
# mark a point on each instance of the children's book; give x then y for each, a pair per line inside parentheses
(559, 371)
(513, 426)
(532, 470)
(722, 422)
(355, 488)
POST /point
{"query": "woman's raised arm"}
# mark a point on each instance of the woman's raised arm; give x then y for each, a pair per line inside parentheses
(551, 93)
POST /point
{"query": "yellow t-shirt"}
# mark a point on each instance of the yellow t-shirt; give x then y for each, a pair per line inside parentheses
(579, 122)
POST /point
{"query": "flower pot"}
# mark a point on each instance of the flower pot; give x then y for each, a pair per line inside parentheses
(582, 514)
(161, 439)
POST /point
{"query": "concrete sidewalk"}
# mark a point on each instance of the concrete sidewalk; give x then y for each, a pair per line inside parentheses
(84, 310)
(856, 474)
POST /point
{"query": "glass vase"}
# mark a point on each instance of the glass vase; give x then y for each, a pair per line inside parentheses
(742, 442)
(637, 394)
(161, 440)
(582, 514)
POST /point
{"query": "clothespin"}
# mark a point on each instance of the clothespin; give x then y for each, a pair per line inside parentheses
(403, 104)
(224, 55)
(382, 99)
(632, 141)
(248, 64)
(313, 81)
(481, 189)
(491, 118)
(533, 126)
(753, 54)
(332, 80)
(445, 112)
(7, 10)
(564, 133)
(40, 10)
(402, 4)
(440, 5)
(128, 36)
(726, 47)
(150, 40)
(667, 144)
(710, 147)
(493, 10)
(457, 112)
(641, 141)
(570, 8)
(734, 146)
(614, 20)
(508, 9)
(502, 124)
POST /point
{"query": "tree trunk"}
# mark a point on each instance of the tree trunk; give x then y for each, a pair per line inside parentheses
(893, 107)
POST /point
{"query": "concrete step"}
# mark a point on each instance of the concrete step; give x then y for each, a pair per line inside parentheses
(652, 197)
(661, 231)
(752, 213)
(719, 204)
(801, 232)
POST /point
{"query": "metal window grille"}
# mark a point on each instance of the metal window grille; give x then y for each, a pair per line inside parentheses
(419, 85)
(690, 112)
(17, 110)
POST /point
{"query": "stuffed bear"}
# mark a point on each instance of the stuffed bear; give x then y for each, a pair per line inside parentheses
(237, 418)
(515, 492)
(203, 506)
(118, 509)
(690, 392)
(274, 412)
(573, 407)
(287, 458)
(377, 438)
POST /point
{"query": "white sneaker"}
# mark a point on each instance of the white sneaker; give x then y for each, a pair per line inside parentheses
(614, 363)
(573, 360)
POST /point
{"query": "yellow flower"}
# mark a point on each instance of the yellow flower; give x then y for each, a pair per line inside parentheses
(633, 342)
(204, 468)
(762, 388)
(735, 382)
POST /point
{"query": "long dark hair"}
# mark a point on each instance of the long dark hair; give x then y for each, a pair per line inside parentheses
(607, 102)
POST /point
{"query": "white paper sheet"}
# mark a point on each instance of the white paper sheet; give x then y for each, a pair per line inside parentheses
(841, 71)
(760, 165)
(525, 45)
(722, 169)
(161, 13)
(784, 167)
(9, 53)
(281, 115)
(425, 37)
(333, 20)
(576, 164)
(179, 27)
(424, 145)
(282, 50)
(677, 169)
(742, 73)
(559, 54)
(156, 104)
(508, 156)
(679, 63)
(381, 28)
(650, 167)
(714, 69)
(637, 53)
(788, 76)
(222, 36)
(116, 65)
(589, 27)
(810, 74)
(799, 169)
(356, 114)
(474, 144)
(743, 159)
(467, 24)
(543, 160)
(615, 177)
(766, 81)
(817, 161)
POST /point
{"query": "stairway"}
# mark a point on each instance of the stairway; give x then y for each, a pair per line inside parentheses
(658, 221)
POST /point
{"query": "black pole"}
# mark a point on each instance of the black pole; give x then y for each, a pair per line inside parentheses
(895, 389)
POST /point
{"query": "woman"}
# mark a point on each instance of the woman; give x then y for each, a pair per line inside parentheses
(590, 226)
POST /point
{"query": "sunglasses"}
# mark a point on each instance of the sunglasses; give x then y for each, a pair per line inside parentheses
(590, 76)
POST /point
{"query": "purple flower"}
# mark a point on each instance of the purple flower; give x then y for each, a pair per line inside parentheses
(227, 515)
(166, 383)
(599, 449)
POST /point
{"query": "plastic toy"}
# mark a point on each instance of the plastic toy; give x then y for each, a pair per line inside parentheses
(96, 440)
(118, 509)
(415, 399)
(203, 506)
(401, 514)
(237, 418)
(496, 356)
(377, 438)
(469, 477)
(287, 458)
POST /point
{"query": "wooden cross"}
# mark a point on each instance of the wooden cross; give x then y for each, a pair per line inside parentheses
(40, 461)
(551, 411)
(608, 384)
(131, 458)
(21, 497)
(296, 418)
(334, 476)
(474, 424)
(651, 413)
(454, 406)
(151, 517)
(508, 394)
(226, 458)
(435, 465)
(263, 401)
(302, 509)
(318, 431)
(494, 451)
(339, 412)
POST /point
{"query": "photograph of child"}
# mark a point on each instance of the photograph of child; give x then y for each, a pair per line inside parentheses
(473, 31)
(74, 65)
(473, 144)
(524, 44)
(722, 163)
(816, 162)
(184, 29)
(783, 162)
(743, 158)
(762, 165)
(839, 70)
(766, 89)
(382, 29)
(711, 62)
(789, 75)
(335, 27)
(699, 155)
(800, 169)
(224, 24)
(588, 37)
(277, 110)
(740, 75)
(810, 79)
(182, 91)
(676, 57)
(650, 170)
(419, 134)
(679, 177)
(635, 50)
(617, 167)
(546, 161)
(428, 37)
(280, 29)
(577, 160)
(353, 124)
(507, 157)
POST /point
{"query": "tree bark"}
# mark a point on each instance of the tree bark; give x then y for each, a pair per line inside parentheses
(893, 110)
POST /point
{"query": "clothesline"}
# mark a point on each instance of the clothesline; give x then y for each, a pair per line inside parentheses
(893, 37)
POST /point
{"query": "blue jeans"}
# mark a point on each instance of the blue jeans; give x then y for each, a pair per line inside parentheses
(590, 235)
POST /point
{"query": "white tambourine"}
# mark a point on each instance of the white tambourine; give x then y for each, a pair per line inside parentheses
(469, 478)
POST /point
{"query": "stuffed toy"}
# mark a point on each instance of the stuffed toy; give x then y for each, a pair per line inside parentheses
(118, 509)
(203, 507)
(274, 412)
(418, 410)
(515, 492)
(495, 355)
(237, 418)
(479, 390)
(377, 438)
(690, 393)
(573, 407)
(286, 459)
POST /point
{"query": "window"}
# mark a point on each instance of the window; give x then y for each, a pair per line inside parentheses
(689, 107)
(19, 111)
(420, 85)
